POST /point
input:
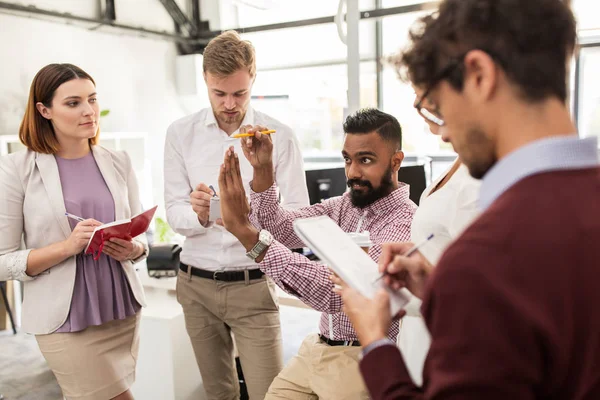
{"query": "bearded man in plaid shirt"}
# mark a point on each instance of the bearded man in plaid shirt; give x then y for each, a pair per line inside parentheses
(326, 366)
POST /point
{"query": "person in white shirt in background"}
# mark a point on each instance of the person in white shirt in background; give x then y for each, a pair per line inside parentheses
(220, 289)
(446, 208)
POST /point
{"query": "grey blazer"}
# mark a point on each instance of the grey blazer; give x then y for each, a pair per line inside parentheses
(32, 211)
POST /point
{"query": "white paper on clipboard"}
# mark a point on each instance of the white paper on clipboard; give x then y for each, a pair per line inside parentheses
(338, 251)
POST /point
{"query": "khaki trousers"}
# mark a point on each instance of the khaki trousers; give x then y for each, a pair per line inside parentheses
(213, 310)
(320, 371)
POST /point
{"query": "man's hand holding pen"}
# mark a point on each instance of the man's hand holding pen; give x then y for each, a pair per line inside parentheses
(403, 270)
(200, 200)
(258, 150)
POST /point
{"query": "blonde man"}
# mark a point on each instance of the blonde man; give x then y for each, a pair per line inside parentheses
(221, 290)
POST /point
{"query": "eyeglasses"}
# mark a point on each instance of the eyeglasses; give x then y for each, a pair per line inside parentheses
(434, 116)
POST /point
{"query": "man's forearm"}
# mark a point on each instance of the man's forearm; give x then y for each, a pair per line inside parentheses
(263, 178)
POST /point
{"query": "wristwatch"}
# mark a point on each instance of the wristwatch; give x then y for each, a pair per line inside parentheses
(264, 240)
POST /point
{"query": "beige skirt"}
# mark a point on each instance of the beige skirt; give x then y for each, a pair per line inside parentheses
(97, 363)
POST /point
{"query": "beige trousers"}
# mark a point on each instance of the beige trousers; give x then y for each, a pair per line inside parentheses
(320, 371)
(213, 310)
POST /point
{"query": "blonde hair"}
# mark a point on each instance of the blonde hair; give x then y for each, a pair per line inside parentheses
(227, 53)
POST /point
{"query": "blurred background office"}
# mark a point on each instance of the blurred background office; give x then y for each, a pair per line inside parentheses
(317, 61)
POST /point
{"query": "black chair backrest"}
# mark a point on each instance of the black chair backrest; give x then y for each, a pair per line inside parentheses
(413, 175)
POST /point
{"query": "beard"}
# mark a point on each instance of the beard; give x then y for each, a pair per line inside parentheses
(478, 155)
(362, 199)
(226, 119)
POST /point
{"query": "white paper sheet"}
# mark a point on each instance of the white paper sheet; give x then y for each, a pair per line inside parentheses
(338, 251)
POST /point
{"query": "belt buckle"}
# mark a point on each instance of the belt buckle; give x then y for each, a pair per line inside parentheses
(348, 342)
(215, 274)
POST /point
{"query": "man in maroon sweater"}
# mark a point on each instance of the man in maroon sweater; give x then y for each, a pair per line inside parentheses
(511, 307)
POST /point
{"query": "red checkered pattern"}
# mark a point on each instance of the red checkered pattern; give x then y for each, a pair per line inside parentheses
(387, 220)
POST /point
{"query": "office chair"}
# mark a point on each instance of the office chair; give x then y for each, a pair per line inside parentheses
(12, 321)
(414, 176)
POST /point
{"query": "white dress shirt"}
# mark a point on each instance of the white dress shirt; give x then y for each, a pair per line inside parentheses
(446, 213)
(194, 151)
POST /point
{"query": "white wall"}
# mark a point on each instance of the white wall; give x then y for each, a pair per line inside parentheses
(134, 76)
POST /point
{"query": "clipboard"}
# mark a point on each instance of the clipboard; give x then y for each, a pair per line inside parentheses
(339, 252)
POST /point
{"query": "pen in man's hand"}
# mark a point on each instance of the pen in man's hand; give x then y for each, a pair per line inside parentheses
(75, 217)
(408, 254)
(214, 191)
(240, 135)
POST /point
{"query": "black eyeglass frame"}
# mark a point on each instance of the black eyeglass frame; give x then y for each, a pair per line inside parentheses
(434, 116)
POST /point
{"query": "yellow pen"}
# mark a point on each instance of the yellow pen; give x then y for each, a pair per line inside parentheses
(239, 135)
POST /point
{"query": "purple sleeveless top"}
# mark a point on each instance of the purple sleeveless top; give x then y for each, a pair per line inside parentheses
(102, 292)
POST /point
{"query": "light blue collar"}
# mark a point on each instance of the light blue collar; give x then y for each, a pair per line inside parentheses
(552, 154)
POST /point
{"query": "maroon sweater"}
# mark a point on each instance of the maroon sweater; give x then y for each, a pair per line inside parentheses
(513, 305)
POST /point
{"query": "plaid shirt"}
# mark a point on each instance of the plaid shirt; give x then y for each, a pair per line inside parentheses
(387, 220)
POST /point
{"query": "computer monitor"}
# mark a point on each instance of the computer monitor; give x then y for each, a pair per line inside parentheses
(413, 175)
(325, 183)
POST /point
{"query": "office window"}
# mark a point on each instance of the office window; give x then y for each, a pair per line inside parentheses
(308, 45)
(398, 96)
(305, 84)
(588, 98)
(400, 3)
(586, 12)
(313, 101)
(245, 13)
(302, 78)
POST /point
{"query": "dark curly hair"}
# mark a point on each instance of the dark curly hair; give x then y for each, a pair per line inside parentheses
(531, 40)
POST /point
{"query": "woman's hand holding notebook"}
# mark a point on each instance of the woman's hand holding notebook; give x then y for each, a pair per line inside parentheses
(125, 229)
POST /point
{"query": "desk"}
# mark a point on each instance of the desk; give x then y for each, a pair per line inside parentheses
(166, 367)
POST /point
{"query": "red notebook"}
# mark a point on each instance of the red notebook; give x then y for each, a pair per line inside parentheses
(125, 229)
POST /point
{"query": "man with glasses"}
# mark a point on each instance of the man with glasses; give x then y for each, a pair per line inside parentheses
(511, 305)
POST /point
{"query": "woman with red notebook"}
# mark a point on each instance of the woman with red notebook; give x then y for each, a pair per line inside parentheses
(83, 310)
